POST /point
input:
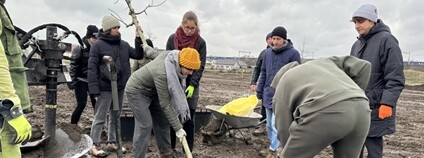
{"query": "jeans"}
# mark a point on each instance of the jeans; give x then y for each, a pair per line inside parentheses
(271, 130)
(81, 92)
(104, 105)
(148, 115)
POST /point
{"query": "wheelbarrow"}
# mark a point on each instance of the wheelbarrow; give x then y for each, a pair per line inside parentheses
(232, 122)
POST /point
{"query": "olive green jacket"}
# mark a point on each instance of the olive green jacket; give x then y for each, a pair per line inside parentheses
(310, 87)
(151, 80)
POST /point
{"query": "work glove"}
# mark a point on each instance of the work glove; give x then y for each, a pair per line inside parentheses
(180, 134)
(189, 91)
(21, 130)
(385, 111)
(16, 122)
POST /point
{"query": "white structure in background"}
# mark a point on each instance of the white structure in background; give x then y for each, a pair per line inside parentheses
(228, 64)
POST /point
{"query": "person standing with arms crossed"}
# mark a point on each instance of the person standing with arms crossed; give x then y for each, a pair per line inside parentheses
(188, 35)
(377, 45)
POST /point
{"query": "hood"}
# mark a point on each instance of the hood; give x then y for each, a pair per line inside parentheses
(108, 38)
(378, 27)
(289, 45)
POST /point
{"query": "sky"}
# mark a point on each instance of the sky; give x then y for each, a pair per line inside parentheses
(316, 28)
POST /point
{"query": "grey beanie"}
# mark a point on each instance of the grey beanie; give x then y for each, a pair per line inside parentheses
(109, 22)
(367, 11)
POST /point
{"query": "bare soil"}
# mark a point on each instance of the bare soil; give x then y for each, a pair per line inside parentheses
(220, 88)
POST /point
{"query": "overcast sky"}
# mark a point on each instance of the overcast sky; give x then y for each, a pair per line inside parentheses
(320, 28)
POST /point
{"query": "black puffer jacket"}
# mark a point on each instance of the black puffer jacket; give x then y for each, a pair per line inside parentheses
(387, 79)
(120, 51)
(79, 63)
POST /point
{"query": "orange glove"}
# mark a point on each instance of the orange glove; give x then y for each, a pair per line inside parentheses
(385, 111)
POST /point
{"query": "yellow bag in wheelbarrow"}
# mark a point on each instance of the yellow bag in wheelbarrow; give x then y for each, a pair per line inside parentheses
(241, 106)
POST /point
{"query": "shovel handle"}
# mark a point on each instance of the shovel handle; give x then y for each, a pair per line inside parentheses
(186, 148)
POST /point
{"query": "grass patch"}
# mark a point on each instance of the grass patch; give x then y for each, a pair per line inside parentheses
(414, 77)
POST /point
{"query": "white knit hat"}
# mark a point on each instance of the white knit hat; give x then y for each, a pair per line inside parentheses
(109, 22)
(367, 11)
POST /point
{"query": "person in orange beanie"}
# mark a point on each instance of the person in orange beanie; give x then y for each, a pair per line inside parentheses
(164, 78)
(188, 35)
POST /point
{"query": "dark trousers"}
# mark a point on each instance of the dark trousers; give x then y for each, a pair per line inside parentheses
(374, 147)
(188, 127)
(81, 92)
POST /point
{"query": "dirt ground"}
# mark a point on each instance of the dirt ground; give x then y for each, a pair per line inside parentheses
(220, 88)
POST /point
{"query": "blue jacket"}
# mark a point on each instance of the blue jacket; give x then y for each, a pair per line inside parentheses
(272, 61)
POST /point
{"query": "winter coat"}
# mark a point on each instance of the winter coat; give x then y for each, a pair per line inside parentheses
(13, 53)
(257, 69)
(151, 80)
(387, 80)
(315, 85)
(121, 52)
(272, 62)
(79, 63)
(193, 79)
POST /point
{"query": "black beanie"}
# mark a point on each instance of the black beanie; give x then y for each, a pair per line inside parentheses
(91, 31)
(280, 31)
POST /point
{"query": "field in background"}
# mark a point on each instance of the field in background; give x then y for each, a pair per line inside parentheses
(414, 77)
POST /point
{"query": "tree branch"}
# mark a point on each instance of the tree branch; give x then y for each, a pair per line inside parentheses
(119, 18)
(135, 22)
(148, 6)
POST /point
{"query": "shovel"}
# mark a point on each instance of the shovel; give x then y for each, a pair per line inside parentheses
(113, 78)
(186, 148)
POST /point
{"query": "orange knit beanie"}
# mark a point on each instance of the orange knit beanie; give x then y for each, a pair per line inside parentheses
(189, 58)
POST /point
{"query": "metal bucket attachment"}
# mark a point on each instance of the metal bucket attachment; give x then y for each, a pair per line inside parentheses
(66, 148)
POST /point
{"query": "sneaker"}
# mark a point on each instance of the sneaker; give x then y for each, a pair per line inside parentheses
(112, 148)
(96, 151)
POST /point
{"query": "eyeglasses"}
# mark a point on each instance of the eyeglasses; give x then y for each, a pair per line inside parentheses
(358, 20)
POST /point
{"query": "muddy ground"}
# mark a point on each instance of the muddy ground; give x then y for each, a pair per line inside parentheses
(220, 88)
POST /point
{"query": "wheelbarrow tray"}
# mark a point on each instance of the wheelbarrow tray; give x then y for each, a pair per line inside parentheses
(251, 120)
